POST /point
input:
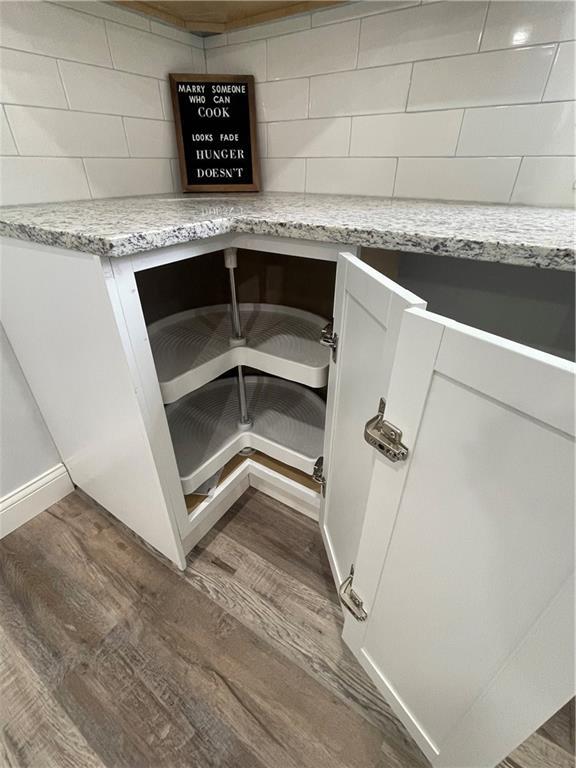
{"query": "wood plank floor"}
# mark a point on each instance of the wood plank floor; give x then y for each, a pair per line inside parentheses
(108, 657)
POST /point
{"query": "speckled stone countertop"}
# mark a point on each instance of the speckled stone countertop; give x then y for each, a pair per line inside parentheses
(538, 237)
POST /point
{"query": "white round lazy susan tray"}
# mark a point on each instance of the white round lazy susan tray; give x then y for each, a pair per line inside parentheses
(288, 425)
(192, 348)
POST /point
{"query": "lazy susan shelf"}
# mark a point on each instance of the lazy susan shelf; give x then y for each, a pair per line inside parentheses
(288, 425)
(192, 348)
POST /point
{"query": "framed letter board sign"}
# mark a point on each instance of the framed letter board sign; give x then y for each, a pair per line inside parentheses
(216, 132)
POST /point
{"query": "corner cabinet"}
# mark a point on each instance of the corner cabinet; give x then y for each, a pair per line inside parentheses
(438, 459)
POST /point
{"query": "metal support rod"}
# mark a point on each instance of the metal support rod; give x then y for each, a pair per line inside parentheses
(230, 262)
(244, 417)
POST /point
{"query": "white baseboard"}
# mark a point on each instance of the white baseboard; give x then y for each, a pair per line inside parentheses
(29, 500)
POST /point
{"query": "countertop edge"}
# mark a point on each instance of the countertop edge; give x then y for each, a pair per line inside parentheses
(516, 254)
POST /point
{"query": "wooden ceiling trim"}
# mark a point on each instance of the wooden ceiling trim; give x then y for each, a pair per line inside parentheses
(292, 9)
(190, 8)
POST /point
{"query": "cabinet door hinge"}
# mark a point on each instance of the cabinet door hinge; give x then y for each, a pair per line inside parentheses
(384, 436)
(350, 599)
(329, 339)
(318, 474)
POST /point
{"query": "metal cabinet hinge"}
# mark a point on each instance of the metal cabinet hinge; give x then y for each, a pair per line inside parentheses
(384, 436)
(318, 474)
(350, 599)
(329, 339)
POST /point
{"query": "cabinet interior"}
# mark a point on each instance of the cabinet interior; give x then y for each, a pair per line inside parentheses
(284, 302)
(272, 278)
(531, 306)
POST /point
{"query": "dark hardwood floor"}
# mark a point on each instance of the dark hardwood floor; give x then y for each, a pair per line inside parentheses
(109, 657)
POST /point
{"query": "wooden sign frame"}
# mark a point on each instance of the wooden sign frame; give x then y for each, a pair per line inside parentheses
(254, 160)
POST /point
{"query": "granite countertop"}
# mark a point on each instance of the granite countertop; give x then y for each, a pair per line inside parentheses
(538, 237)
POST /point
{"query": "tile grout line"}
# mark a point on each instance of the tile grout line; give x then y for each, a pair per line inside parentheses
(89, 112)
(404, 157)
(126, 136)
(409, 87)
(483, 29)
(459, 133)
(108, 44)
(310, 157)
(515, 180)
(393, 193)
(161, 101)
(87, 178)
(295, 119)
(554, 58)
(67, 98)
(358, 37)
(12, 134)
(350, 137)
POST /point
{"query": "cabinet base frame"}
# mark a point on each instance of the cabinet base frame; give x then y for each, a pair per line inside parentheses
(250, 473)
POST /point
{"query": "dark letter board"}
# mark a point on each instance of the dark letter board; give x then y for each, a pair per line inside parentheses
(216, 132)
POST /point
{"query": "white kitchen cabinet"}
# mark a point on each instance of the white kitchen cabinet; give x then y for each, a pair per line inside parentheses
(446, 479)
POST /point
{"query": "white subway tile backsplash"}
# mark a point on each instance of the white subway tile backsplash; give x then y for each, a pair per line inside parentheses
(528, 129)
(150, 138)
(55, 31)
(358, 10)
(244, 59)
(38, 179)
(262, 129)
(7, 145)
(360, 92)
(561, 84)
(61, 133)
(84, 132)
(457, 178)
(421, 134)
(309, 138)
(118, 178)
(215, 41)
(283, 175)
(29, 79)
(152, 55)
(273, 29)
(423, 32)
(107, 11)
(546, 181)
(94, 89)
(313, 52)
(282, 100)
(166, 99)
(376, 98)
(512, 23)
(176, 178)
(485, 79)
(351, 175)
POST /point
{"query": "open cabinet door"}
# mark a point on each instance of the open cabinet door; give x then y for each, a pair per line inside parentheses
(465, 566)
(368, 310)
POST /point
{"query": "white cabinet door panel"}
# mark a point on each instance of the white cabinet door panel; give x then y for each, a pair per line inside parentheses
(470, 542)
(368, 311)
